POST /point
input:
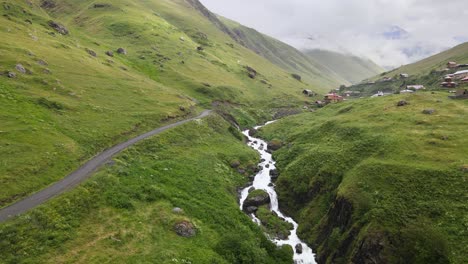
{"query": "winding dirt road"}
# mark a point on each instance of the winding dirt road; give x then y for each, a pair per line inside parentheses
(81, 174)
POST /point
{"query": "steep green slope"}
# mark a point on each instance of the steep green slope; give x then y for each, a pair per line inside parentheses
(429, 72)
(351, 68)
(74, 100)
(130, 210)
(287, 57)
(371, 182)
(439, 61)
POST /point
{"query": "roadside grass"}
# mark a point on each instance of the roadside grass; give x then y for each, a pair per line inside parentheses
(124, 214)
(74, 105)
(401, 170)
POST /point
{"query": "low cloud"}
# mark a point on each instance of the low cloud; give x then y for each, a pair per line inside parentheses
(359, 27)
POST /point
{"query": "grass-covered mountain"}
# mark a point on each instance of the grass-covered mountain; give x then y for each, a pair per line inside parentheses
(351, 68)
(429, 72)
(66, 94)
(287, 57)
(372, 182)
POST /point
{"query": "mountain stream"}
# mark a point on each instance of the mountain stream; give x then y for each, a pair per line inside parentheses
(263, 181)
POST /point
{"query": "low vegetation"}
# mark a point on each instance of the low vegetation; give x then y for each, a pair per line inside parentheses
(378, 181)
(130, 210)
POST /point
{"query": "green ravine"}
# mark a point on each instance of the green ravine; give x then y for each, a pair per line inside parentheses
(366, 180)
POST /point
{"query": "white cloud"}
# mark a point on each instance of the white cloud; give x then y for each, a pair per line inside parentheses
(356, 26)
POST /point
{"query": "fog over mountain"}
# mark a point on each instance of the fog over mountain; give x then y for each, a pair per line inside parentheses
(391, 33)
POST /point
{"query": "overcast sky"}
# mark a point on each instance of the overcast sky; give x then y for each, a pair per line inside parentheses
(390, 32)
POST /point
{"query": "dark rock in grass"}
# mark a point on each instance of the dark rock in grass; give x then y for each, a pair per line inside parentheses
(20, 68)
(28, 21)
(200, 48)
(256, 198)
(58, 27)
(296, 76)
(42, 62)
(428, 111)
(464, 168)
(101, 5)
(48, 4)
(11, 75)
(402, 103)
(241, 171)
(185, 229)
(251, 72)
(444, 138)
(251, 209)
(253, 132)
(110, 53)
(122, 51)
(274, 174)
(275, 145)
(91, 52)
(235, 164)
(299, 249)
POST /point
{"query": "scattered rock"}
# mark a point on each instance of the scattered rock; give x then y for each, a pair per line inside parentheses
(241, 171)
(122, 51)
(267, 166)
(58, 27)
(253, 132)
(275, 145)
(271, 184)
(256, 198)
(110, 53)
(444, 138)
(48, 4)
(200, 48)
(101, 5)
(11, 75)
(235, 164)
(296, 76)
(274, 174)
(428, 111)
(402, 103)
(185, 229)
(20, 68)
(177, 210)
(464, 168)
(28, 21)
(91, 52)
(182, 108)
(299, 249)
(251, 72)
(42, 62)
(264, 81)
(251, 209)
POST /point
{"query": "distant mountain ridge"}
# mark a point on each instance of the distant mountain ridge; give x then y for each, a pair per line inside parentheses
(350, 67)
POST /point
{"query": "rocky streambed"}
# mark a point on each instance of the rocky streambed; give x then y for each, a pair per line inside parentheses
(260, 201)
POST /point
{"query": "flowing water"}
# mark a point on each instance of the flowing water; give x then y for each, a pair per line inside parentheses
(264, 182)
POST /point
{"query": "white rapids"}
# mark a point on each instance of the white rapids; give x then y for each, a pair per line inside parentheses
(263, 181)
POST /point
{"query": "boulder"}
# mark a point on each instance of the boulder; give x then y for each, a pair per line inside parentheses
(428, 111)
(48, 4)
(11, 75)
(299, 249)
(122, 51)
(402, 103)
(256, 198)
(185, 229)
(200, 48)
(20, 68)
(275, 144)
(235, 164)
(110, 53)
(58, 27)
(251, 209)
(253, 132)
(42, 62)
(91, 52)
(296, 76)
(274, 174)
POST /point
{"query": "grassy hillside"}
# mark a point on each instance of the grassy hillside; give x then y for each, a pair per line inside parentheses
(74, 100)
(287, 57)
(125, 213)
(370, 182)
(429, 72)
(351, 68)
(439, 61)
